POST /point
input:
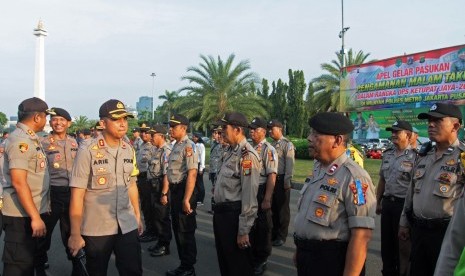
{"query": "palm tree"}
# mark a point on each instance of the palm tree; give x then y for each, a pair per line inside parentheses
(326, 86)
(216, 87)
(81, 122)
(169, 97)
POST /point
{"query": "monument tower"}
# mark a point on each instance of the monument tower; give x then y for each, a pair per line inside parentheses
(39, 75)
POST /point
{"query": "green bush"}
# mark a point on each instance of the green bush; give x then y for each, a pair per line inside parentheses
(301, 148)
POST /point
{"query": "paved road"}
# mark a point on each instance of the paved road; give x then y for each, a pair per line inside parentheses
(280, 263)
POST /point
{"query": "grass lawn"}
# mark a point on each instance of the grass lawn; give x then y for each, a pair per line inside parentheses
(303, 168)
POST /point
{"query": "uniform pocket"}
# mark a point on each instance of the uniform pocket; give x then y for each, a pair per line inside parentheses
(101, 178)
(320, 208)
(418, 179)
(127, 170)
(443, 184)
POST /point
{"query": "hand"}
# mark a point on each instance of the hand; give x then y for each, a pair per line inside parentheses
(140, 227)
(186, 207)
(38, 228)
(75, 242)
(404, 233)
(379, 208)
(243, 241)
(164, 200)
(266, 204)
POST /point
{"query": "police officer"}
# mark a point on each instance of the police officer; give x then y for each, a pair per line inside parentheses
(392, 188)
(157, 169)
(26, 194)
(104, 208)
(181, 176)
(60, 149)
(436, 185)
(236, 199)
(143, 156)
(137, 141)
(215, 156)
(281, 196)
(336, 210)
(451, 258)
(263, 225)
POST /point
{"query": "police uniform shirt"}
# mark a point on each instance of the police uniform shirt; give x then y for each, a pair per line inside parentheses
(237, 180)
(453, 243)
(158, 165)
(286, 151)
(215, 156)
(334, 200)
(437, 183)
(267, 154)
(396, 171)
(60, 156)
(144, 156)
(106, 174)
(183, 158)
(23, 151)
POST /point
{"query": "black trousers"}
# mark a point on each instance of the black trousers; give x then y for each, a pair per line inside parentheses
(145, 189)
(213, 180)
(161, 214)
(21, 252)
(390, 216)
(281, 212)
(321, 258)
(232, 260)
(261, 231)
(426, 246)
(184, 225)
(60, 197)
(127, 249)
(200, 186)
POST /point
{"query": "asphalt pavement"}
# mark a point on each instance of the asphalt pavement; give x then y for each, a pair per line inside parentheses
(279, 263)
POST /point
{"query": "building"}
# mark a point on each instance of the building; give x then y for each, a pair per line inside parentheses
(144, 105)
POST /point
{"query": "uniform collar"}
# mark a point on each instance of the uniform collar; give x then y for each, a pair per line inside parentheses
(240, 145)
(27, 130)
(336, 164)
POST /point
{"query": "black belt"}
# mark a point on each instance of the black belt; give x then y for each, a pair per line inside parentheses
(436, 223)
(224, 207)
(318, 245)
(393, 198)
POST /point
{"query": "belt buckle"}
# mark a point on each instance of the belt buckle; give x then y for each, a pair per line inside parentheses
(392, 198)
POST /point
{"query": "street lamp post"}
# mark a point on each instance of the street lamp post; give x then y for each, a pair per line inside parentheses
(153, 75)
(342, 33)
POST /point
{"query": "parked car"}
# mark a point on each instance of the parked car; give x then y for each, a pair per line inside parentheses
(374, 152)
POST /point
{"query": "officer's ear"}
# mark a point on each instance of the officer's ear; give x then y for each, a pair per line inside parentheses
(338, 141)
(457, 124)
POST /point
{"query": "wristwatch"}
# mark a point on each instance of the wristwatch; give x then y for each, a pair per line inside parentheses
(164, 194)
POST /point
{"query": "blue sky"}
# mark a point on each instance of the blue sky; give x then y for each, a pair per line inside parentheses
(102, 49)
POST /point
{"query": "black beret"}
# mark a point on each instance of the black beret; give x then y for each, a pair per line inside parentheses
(400, 125)
(114, 109)
(56, 111)
(234, 119)
(441, 110)
(33, 105)
(331, 123)
(178, 119)
(258, 122)
(275, 123)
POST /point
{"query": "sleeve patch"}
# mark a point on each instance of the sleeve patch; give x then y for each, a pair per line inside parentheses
(23, 147)
(359, 190)
(246, 167)
(188, 151)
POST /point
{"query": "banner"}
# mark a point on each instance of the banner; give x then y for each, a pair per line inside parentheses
(406, 82)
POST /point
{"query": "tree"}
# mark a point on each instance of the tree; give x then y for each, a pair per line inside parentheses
(295, 99)
(216, 87)
(327, 90)
(278, 100)
(3, 120)
(168, 105)
(265, 91)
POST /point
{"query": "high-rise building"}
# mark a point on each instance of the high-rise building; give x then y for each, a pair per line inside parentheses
(144, 104)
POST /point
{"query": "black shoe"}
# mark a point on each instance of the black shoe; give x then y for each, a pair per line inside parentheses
(181, 272)
(161, 250)
(152, 247)
(278, 242)
(147, 238)
(260, 268)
